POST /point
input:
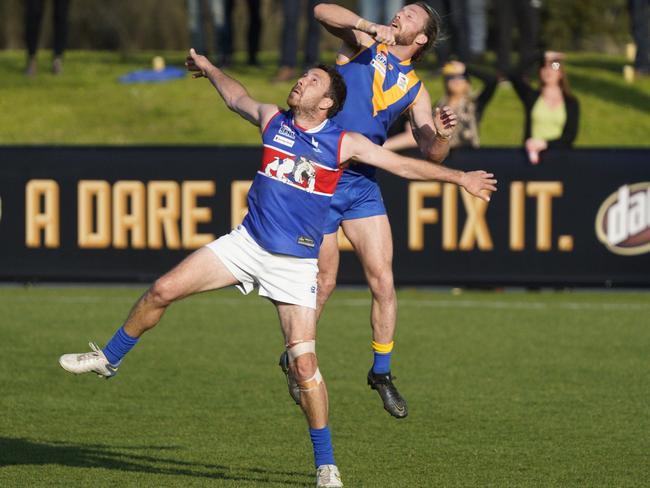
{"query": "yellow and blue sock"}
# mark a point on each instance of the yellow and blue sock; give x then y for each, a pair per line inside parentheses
(120, 344)
(321, 440)
(382, 353)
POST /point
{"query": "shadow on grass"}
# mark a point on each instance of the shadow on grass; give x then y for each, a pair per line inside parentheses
(20, 451)
(623, 95)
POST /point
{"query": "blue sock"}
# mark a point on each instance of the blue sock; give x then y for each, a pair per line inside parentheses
(321, 439)
(118, 346)
(381, 364)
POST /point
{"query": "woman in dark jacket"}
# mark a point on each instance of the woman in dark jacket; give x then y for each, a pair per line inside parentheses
(552, 112)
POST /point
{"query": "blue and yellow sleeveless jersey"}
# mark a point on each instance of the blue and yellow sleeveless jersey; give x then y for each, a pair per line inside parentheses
(380, 87)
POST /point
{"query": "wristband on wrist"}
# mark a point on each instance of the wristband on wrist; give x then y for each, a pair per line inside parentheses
(364, 26)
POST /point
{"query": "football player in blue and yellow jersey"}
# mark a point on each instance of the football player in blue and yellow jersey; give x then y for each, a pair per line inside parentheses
(376, 63)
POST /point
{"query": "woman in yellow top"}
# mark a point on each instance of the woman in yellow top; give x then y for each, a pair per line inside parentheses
(552, 112)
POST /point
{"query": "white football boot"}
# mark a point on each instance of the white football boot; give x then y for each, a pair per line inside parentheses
(327, 475)
(88, 362)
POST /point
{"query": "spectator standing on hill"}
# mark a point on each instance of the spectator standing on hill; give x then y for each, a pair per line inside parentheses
(525, 15)
(254, 28)
(33, 16)
(477, 25)
(468, 107)
(552, 112)
(289, 49)
(454, 16)
(639, 19)
(221, 17)
(379, 11)
(222, 32)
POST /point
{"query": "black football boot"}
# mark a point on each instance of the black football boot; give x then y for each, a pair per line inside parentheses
(394, 403)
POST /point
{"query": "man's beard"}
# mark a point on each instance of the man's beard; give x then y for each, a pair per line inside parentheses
(404, 39)
(305, 111)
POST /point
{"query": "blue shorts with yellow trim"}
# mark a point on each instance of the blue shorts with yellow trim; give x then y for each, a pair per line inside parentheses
(356, 196)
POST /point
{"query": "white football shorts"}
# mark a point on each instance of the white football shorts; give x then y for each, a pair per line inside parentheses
(283, 278)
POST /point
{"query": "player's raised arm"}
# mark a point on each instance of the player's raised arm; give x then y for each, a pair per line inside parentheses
(233, 93)
(352, 29)
(432, 131)
(356, 147)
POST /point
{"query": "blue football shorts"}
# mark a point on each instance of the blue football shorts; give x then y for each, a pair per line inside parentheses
(356, 196)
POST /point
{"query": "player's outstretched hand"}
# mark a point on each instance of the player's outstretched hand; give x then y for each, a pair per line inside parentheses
(197, 63)
(479, 183)
(445, 121)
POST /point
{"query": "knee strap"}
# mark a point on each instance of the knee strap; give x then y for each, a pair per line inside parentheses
(302, 347)
(312, 383)
(297, 350)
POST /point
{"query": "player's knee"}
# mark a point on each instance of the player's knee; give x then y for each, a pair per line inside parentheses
(164, 291)
(382, 286)
(326, 284)
(305, 367)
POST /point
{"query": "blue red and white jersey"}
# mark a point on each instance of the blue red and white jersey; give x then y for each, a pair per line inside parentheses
(291, 193)
(380, 87)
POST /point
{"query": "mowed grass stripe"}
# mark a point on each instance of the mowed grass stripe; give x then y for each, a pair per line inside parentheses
(215, 299)
(538, 396)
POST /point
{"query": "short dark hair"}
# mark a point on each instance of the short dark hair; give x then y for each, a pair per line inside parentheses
(431, 29)
(337, 90)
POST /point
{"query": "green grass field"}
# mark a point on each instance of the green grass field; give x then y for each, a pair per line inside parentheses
(88, 106)
(505, 389)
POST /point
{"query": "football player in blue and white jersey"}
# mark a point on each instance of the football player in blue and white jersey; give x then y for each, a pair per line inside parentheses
(277, 245)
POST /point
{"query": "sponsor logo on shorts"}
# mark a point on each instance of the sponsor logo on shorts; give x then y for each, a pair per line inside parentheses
(306, 241)
(623, 220)
(283, 140)
(312, 289)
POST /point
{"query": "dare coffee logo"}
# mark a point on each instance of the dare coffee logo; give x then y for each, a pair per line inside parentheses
(623, 220)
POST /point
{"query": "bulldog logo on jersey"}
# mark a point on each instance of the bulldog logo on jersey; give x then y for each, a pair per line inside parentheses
(280, 168)
(305, 174)
(301, 173)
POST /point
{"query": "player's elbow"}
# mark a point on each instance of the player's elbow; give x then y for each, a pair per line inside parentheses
(437, 156)
(232, 103)
(434, 151)
(320, 11)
